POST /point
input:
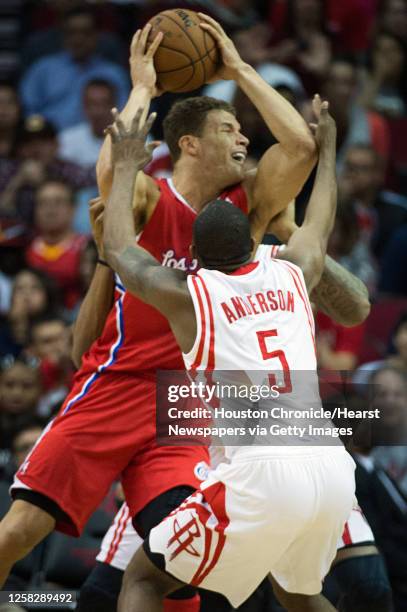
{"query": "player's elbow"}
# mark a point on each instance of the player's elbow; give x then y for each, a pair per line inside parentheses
(359, 313)
(306, 147)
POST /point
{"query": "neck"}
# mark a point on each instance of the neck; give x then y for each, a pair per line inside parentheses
(198, 188)
(54, 237)
(228, 269)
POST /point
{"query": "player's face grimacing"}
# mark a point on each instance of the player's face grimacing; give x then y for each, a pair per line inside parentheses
(223, 147)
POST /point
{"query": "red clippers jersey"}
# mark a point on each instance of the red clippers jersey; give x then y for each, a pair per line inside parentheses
(136, 337)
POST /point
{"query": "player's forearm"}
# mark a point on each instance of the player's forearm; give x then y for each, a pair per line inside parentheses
(140, 97)
(321, 208)
(285, 123)
(93, 312)
(341, 295)
(118, 227)
(132, 263)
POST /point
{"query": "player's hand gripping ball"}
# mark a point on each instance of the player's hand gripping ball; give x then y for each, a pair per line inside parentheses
(187, 56)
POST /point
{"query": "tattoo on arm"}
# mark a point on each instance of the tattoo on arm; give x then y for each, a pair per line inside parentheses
(341, 295)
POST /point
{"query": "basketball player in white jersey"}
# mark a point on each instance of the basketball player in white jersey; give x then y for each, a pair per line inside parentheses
(297, 497)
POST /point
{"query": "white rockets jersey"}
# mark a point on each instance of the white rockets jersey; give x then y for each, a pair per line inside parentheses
(258, 322)
(257, 318)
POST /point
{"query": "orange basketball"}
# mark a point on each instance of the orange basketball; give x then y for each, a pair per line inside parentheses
(187, 56)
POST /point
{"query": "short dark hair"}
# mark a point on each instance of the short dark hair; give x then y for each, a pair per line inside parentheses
(222, 235)
(43, 319)
(51, 290)
(102, 83)
(58, 181)
(80, 11)
(188, 117)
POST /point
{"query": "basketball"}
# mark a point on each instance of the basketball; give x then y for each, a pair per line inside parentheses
(187, 56)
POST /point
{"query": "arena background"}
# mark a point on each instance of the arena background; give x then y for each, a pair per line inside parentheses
(63, 65)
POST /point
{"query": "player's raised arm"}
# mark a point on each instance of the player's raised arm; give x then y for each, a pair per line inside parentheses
(308, 244)
(285, 167)
(143, 77)
(161, 287)
(339, 294)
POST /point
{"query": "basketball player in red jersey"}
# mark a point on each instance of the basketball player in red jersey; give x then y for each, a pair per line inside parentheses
(225, 523)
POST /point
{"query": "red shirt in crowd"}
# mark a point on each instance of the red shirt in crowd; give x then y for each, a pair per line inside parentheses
(343, 339)
(61, 262)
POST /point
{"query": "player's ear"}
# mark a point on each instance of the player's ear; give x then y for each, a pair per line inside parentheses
(189, 144)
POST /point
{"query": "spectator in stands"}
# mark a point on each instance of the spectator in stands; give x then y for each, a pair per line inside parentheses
(81, 143)
(399, 341)
(379, 212)
(46, 29)
(47, 87)
(24, 441)
(57, 249)
(13, 240)
(20, 390)
(303, 41)
(347, 248)
(338, 347)
(385, 88)
(389, 392)
(385, 507)
(49, 342)
(33, 294)
(9, 119)
(354, 124)
(393, 17)
(393, 279)
(390, 396)
(349, 21)
(37, 152)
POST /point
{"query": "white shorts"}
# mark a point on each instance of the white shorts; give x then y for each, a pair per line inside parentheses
(357, 530)
(281, 514)
(120, 542)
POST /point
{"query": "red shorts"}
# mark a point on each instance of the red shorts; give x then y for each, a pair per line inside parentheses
(104, 434)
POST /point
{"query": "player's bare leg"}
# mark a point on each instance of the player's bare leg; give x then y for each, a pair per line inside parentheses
(293, 602)
(23, 527)
(145, 586)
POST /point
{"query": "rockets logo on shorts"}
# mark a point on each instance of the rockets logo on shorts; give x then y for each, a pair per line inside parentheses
(184, 536)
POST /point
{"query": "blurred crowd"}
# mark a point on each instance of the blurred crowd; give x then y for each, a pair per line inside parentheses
(63, 66)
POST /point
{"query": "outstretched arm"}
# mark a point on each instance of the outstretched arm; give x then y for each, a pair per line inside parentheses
(285, 167)
(307, 245)
(143, 78)
(339, 294)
